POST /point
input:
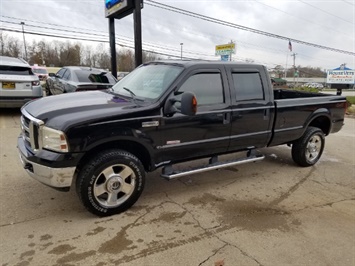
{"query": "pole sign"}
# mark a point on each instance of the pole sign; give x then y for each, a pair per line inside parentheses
(225, 49)
(119, 8)
(340, 76)
(225, 57)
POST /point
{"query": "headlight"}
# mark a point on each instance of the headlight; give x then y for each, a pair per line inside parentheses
(53, 139)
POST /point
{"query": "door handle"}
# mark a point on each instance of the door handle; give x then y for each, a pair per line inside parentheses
(266, 114)
(226, 118)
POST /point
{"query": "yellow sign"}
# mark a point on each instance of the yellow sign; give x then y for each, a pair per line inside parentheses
(225, 49)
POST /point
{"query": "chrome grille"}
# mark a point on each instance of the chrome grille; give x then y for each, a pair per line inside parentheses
(30, 130)
(25, 126)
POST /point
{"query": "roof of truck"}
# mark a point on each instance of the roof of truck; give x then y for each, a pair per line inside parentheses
(188, 63)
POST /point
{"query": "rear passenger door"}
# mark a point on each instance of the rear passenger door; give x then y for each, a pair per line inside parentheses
(252, 109)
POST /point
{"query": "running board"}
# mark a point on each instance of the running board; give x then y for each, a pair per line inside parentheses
(169, 173)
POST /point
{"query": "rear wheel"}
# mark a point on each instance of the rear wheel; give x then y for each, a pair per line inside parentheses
(307, 150)
(111, 182)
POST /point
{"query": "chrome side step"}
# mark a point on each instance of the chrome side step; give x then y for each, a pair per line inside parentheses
(169, 173)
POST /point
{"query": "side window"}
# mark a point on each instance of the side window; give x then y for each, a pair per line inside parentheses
(60, 73)
(207, 87)
(248, 86)
(66, 75)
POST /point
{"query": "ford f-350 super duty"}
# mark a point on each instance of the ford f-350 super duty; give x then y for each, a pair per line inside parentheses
(166, 112)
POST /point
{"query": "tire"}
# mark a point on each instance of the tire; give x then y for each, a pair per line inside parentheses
(111, 182)
(307, 150)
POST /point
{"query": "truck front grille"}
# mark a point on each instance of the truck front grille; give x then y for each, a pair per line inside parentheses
(30, 130)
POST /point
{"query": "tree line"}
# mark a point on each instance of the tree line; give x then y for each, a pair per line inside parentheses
(66, 53)
(60, 53)
(303, 72)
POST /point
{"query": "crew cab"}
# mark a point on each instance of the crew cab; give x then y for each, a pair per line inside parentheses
(166, 112)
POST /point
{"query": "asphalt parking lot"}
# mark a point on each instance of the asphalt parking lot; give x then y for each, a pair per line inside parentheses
(268, 213)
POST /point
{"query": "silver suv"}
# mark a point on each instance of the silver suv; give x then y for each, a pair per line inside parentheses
(18, 84)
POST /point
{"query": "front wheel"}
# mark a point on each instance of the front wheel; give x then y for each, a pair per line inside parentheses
(111, 182)
(308, 149)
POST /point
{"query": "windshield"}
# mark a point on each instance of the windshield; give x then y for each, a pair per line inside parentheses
(148, 81)
(39, 71)
(87, 75)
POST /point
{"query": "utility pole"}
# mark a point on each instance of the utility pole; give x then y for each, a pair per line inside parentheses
(24, 40)
(294, 68)
(286, 66)
(230, 55)
(181, 44)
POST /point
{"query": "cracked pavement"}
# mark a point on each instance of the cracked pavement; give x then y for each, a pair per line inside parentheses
(267, 213)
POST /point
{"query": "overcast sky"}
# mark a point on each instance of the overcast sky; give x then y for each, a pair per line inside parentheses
(327, 23)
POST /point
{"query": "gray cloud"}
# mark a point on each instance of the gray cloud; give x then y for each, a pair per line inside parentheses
(330, 24)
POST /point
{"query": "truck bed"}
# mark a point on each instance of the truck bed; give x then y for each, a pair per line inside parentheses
(291, 107)
(291, 94)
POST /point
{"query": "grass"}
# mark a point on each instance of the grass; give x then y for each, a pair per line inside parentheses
(351, 99)
(351, 105)
(52, 69)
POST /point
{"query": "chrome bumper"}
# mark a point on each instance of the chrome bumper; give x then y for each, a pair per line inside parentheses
(53, 177)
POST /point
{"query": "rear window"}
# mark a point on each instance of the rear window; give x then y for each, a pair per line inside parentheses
(39, 71)
(96, 77)
(12, 70)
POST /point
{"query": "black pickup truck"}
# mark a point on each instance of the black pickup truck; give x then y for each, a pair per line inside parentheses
(164, 113)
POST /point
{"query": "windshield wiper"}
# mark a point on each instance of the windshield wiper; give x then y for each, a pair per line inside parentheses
(133, 95)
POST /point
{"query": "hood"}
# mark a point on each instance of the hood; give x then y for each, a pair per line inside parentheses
(61, 111)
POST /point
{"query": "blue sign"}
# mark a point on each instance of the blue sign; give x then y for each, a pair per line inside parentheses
(225, 57)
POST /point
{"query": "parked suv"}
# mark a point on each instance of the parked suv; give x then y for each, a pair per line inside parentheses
(18, 84)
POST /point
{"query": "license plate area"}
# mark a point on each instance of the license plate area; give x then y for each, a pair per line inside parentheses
(8, 85)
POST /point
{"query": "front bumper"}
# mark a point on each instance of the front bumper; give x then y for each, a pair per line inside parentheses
(59, 178)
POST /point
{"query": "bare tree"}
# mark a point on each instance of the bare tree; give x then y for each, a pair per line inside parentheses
(147, 57)
(14, 47)
(3, 41)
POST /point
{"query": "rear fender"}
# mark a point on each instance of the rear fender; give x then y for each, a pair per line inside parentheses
(321, 118)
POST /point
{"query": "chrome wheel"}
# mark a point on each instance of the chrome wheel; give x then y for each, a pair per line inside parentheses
(114, 185)
(313, 149)
(307, 150)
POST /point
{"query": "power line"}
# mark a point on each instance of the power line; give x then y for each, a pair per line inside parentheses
(326, 12)
(237, 26)
(96, 34)
(348, 3)
(92, 40)
(289, 14)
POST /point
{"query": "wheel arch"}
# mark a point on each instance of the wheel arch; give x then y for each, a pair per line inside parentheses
(137, 149)
(320, 119)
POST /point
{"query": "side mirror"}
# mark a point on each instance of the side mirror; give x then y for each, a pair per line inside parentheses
(52, 75)
(188, 105)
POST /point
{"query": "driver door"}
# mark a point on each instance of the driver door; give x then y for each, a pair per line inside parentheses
(208, 131)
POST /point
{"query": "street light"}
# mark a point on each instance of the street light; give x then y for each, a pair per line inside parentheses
(24, 40)
(181, 44)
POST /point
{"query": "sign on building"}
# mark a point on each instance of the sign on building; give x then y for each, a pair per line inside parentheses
(340, 76)
(225, 49)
